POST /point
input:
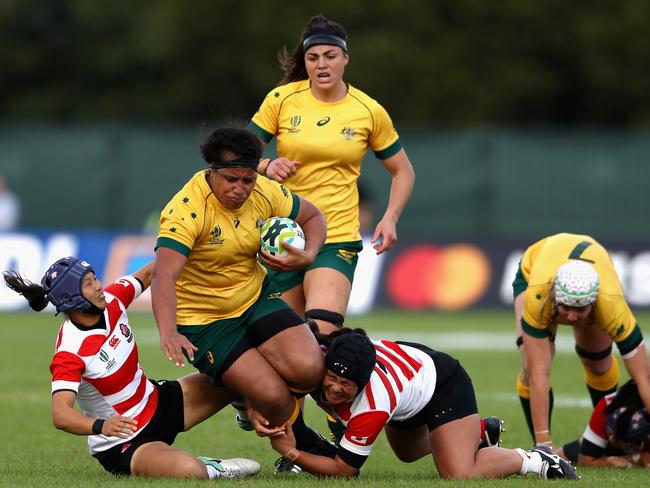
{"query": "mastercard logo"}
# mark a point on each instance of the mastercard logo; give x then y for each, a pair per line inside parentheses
(445, 278)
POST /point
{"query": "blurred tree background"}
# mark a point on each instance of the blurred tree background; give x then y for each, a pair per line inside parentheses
(514, 112)
(447, 63)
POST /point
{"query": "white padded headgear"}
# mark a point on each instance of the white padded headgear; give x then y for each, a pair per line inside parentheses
(576, 284)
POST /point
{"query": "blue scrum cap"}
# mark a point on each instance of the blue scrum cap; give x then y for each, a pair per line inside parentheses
(62, 284)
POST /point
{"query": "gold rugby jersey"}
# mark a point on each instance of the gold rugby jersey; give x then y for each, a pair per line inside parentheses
(330, 140)
(222, 277)
(539, 265)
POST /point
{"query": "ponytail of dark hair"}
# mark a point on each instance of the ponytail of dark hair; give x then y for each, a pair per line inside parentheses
(293, 63)
(34, 293)
(627, 396)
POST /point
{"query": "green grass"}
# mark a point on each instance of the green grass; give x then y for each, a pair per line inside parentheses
(33, 453)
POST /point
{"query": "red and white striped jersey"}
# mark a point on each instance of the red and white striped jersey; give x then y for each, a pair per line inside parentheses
(596, 431)
(100, 364)
(401, 384)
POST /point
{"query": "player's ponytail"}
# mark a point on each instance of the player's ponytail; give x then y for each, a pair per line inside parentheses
(35, 294)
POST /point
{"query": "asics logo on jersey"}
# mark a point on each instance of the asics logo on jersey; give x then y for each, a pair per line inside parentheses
(323, 121)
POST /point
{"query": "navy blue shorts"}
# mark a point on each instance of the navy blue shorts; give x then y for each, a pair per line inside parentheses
(164, 426)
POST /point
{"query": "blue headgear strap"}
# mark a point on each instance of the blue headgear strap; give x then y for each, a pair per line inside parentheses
(328, 39)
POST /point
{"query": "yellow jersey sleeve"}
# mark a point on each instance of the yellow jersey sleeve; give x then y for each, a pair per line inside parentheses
(265, 122)
(383, 140)
(281, 202)
(181, 221)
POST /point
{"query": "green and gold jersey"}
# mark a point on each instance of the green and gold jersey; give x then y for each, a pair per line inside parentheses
(330, 140)
(222, 277)
(539, 265)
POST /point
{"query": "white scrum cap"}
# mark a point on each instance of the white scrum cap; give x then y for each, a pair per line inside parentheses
(576, 284)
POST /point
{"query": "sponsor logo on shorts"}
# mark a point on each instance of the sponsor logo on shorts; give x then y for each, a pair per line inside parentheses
(346, 256)
(210, 357)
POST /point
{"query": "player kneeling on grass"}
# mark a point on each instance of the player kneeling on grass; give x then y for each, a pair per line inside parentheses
(618, 433)
(424, 401)
(130, 421)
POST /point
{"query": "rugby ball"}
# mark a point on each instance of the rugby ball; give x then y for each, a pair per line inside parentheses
(277, 231)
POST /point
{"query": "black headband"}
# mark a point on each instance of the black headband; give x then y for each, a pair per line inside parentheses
(329, 39)
(236, 163)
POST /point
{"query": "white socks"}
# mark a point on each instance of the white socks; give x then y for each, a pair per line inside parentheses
(532, 462)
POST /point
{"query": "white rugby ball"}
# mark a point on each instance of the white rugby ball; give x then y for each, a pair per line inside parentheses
(277, 231)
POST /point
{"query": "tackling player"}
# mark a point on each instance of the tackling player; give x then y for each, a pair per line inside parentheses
(424, 401)
(130, 421)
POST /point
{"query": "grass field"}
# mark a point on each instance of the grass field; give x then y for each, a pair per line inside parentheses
(34, 453)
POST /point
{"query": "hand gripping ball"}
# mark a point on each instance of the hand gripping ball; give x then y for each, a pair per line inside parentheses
(277, 231)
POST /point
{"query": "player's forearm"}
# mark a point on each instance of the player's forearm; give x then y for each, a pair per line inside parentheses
(324, 466)
(72, 421)
(401, 189)
(539, 407)
(163, 301)
(144, 275)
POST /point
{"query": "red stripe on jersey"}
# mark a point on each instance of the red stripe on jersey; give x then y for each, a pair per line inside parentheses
(149, 409)
(404, 368)
(598, 420)
(364, 429)
(123, 290)
(388, 386)
(415, 364)
(392, 372)
(120, 379)
(91, 345)
(66, 366)
(114, 314)
(370, 396)
(135, 398)
(343, 411)
(59, 338)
